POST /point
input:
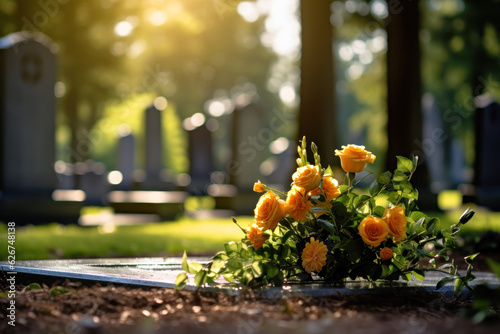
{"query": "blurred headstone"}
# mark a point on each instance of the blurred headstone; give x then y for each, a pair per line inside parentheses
(126, 160)
(281, 165)
(486, 180)
(65, 175)
(433, 142)
(487, 145)
(200, 159)
(153, 131)
(93, 182)
(154, 146)
(27, 124)
(250, 139)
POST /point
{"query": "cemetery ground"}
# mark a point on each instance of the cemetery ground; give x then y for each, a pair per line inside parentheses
(72, 307)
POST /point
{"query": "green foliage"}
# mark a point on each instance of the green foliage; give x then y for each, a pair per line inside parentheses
(336, 229)
(486, 307)
(58, 290)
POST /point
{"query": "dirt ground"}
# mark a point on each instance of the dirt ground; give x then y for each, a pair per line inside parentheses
(114, 309)
(119, 309)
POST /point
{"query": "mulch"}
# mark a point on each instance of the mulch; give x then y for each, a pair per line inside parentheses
(119, 309)
(123, 309)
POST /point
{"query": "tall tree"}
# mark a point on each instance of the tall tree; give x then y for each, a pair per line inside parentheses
(317, 108)
(404, 92)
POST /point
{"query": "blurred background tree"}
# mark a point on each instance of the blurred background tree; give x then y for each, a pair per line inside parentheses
(116, 56)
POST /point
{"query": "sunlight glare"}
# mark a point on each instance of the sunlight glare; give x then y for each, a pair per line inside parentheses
(198, 119)
(287, 94)
(158, 17)
(355, 71)
(115, 177)
(248, 11)
(123, 28)
(345, 52)
(160, 103)
(279, 146)
(216, 108)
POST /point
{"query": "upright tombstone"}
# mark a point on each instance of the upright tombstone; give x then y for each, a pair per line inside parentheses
(93, 182)
(154, 146)
(126, 160)
(27, 130)
(433, 143)
(486, 181)
(487, 145)
(200, 159)
(250, 139)
(153, 132)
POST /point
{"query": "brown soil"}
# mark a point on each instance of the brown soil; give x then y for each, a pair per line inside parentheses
(119, 309)
(113, 309)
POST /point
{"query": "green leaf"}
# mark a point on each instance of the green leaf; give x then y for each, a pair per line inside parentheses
(217, 265)
(414, 160)
(404, 164)
(417, 215)
(343, 188)
(339, 209)
(272, 271)
(229, 277)
(443, 281)
(180, 280)
(384, 178)
(234, 264)
(58, 290)
(361, 200)
(353, 250)
(286, 236)
(379, 211)
(200, 278)
(33, 286)
(232, 248)
(470, 258)
(257, 268)
(419, 274)
(191, 268)
(185, 265)
(328, 171)
(374, 188)
(327, 225)
(399, 176)
(432, 224)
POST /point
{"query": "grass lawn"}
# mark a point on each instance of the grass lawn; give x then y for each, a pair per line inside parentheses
(159, 239)
(167, 238)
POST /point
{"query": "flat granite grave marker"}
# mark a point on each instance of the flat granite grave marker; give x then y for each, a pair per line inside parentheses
(161, 272)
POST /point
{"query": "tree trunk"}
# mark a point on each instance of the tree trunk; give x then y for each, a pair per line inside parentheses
(404, 92)
(317, 108)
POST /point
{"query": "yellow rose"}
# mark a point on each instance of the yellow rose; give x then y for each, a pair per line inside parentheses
(353, 158)
(269, 211)
(314, 256)
(330, 188)
(256, 235)
(259, 187)
(297, 204)
(396, 221)
(386, 253)
(307, 177)
(373, 230)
